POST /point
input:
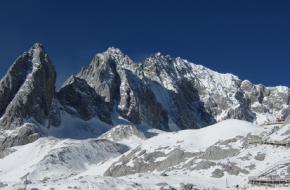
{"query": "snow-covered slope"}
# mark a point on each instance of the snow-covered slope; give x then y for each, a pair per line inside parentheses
(125, 134)
(55, 158)
(220, 156)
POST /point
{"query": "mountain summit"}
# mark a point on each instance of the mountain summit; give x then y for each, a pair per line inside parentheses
(27, 90)
(162, 92)
(172, 93)
(118, 124)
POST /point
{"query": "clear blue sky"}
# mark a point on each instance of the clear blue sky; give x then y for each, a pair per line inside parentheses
(250, 38)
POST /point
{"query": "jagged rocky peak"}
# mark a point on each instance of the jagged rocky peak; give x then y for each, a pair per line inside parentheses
(100, 74)
(186, 95)
(27, 90)
(164, 92)
(16, 75)
(158, 62)
(114, 56)
(166, 70)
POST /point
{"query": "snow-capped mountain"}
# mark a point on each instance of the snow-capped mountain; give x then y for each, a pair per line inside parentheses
(163, 92)
(172, 93)
(220, 157)
(118, 124)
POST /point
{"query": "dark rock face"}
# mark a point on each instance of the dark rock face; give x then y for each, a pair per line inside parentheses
(138, 103)
(77, 94)
(177, 93)
(190, 110)
(122, 132)
(27, 90)
(13, 80)
(242, 111)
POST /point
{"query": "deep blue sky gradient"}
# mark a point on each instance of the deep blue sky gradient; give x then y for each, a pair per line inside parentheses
(249, 38)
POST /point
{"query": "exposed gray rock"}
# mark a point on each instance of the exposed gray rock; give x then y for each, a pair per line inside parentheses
(138, 161)
(54, 114)
(171, 93)
(22, 135)
(203, 165)
(114, 77)
(229, 141)
(217, 173)
(180, 95)
(12, 81)
(27, 90)
(122, 132)
(163, 92)
(188, 186)
(232, 169)
(251, 166)
(138, 103)
(217, 153)
(165, 186)
(6, 152)
(3, 185)
(243, 111)
(267, 99)
(246, 157)
(77, 94)
(260, 156)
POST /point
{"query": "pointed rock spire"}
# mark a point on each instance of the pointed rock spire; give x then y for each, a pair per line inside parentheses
(27, 90)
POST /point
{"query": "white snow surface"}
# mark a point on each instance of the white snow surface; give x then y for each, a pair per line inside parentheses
(128, 135)
(51, 162)
(195, 140)
(55, 158)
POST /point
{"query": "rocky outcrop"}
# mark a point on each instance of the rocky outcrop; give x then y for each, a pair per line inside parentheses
(138, 103)
(22, 135)
(267, 100)
(77, 95)
(116, 80)
(122, 132)
(27, 90)
(12, 81)
(139, 161)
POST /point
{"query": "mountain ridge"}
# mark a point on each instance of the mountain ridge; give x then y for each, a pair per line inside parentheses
(161, 124)
(162, 92)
